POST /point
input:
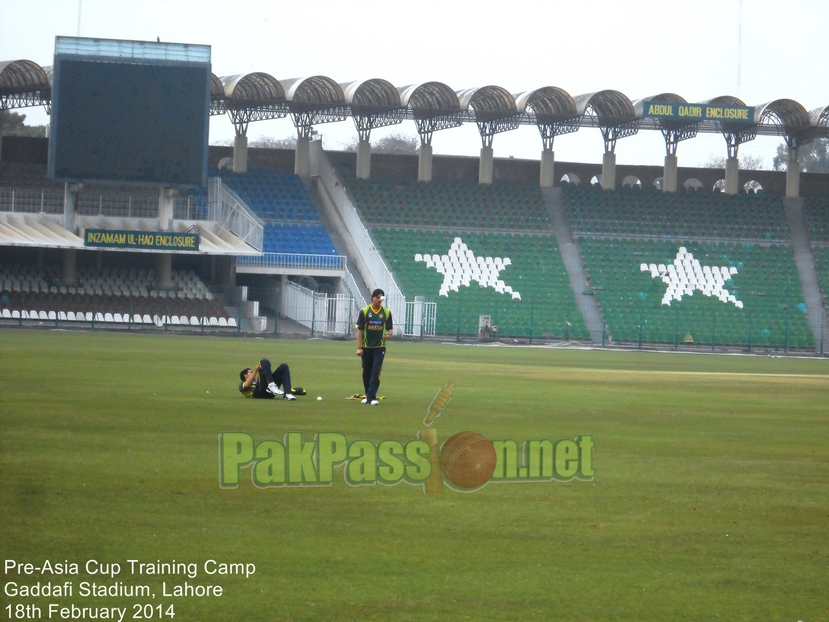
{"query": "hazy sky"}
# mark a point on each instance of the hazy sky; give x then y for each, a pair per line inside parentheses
(699, 49)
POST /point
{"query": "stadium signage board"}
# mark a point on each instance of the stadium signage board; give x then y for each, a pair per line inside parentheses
(141, 240)
(129, 113)
(698, 112)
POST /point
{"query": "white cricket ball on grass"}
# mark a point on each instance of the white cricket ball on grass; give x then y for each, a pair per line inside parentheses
(319, 398)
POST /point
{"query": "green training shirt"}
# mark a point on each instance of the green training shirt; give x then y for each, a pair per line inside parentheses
(374, 326)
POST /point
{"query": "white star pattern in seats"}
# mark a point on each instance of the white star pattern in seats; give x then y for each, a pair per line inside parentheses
(459, 266)
(685, 276)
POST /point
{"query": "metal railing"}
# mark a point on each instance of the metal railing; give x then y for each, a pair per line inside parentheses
(31, 200)
(98, 202)
(226, 208)
(297, 261)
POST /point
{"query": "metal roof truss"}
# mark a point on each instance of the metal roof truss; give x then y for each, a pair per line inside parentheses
(367, 122)
(304, 120)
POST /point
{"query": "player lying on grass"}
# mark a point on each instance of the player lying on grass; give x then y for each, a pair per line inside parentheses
(261, 382)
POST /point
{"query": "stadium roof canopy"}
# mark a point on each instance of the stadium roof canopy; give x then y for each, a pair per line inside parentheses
(674, 130)
(789, 116)
(251, 97)
(612, 112)
(552, 108)
(314, 100)
(820, 117)
(493, 108)
(734, 133)
(24, 83)
(374, 103)
(435, 106)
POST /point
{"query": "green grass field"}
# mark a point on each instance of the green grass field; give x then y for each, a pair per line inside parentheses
(709, 500)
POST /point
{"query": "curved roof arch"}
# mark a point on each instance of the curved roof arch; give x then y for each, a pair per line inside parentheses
(789, 117)
(494, 109)
(725, 100)
(217, 95)
(611, 107)
(434, 106)
(668, 98)
(23, 83)
(613, 113)
(371, 95)
(786, 113)
(488, 102)
(255, 88)
(735, 133)
(317, 99)
(252, 97)
(674, 130)
(549, 103)
(217, 89)
(820, 116)
(554, 111)
(313, 93)
(429, 99)
(374, 103)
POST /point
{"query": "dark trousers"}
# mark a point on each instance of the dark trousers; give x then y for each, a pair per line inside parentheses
(281, 376)
(372, 366)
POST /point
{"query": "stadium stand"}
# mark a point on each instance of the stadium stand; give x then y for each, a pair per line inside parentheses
(533, 298)
(506, 206)
(522, 247)
(633, 241)
(476, 250)
(109, 295)
(822, 264)
(687, 214)
(491, 246)
(816, 211)
(292, 222)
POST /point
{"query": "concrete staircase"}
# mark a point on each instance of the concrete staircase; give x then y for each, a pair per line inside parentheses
(571, 256)
(805, 261)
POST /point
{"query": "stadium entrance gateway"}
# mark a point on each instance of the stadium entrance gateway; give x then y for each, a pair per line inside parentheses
(296, 462)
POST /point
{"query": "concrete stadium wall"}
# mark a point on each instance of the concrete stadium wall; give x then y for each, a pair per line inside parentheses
(35, 150)
(527, 172)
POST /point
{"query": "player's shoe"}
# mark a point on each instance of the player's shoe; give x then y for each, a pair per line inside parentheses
(289, 397)
(375, 403)
(363, 401)
(275, 389)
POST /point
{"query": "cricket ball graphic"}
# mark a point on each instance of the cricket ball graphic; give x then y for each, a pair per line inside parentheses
(468, 460)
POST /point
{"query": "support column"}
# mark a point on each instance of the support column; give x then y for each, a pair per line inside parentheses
(302, 161)
(792, 175)
(164, 271)
(226, 270)
(485, 168)
(166, 203)
(69, 276)
(732, 176)
(609, 171)
(424, 163)
(363, 159)
(548, 164)
(283, 288)
(669, 174)
(240, 154)
(70, 199)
